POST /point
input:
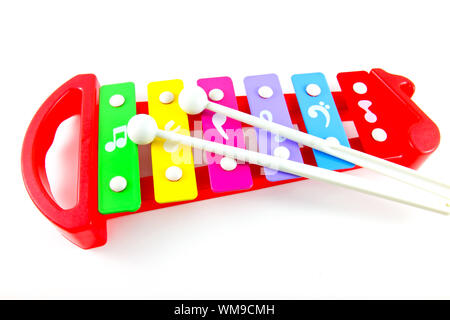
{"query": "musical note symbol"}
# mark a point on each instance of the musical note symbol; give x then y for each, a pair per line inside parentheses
(117, 142)
(323, 109)
(267, 115)
(218, 121)
(170, 146)
(369, 116)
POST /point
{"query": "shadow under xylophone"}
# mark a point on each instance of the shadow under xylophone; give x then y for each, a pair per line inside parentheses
(377, 104)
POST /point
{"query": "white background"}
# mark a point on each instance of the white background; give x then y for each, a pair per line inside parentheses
(301, 240)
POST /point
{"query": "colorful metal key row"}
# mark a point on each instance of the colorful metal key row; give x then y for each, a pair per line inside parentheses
(172, 165)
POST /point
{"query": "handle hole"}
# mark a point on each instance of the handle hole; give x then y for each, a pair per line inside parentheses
(61, 163)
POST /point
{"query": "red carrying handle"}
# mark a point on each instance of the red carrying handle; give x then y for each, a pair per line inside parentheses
(83, 224)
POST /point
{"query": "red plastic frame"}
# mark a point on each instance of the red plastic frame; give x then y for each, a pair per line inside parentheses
(83, 225)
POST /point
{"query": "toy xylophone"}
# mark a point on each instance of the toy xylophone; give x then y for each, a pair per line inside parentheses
(372, 113)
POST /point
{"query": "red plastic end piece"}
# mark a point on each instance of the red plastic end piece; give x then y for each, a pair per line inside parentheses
(83, 225)
(424, 135)
(411, 135)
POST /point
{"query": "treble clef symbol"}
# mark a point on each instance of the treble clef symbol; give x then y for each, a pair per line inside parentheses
(267, 115)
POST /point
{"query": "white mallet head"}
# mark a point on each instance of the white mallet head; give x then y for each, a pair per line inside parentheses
(193, 100)
(142, 129)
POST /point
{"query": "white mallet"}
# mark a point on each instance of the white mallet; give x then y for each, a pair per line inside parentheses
(142, 129)
(193, 100)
